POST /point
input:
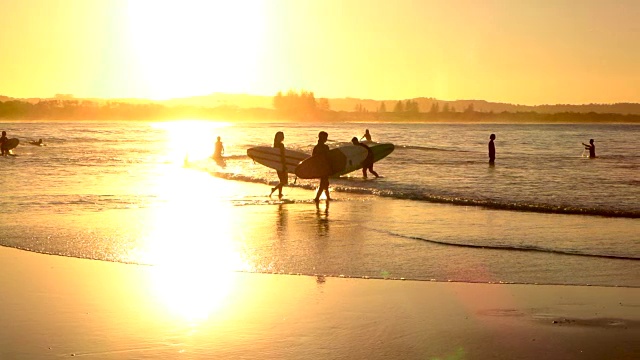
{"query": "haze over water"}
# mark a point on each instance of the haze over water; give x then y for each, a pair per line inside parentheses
(120, 191)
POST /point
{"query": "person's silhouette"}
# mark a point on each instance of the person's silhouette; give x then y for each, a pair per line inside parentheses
(283, 177)
(367, 164)
(3, 148)
(492, 149)
(366, 135)
(591, 147)
(218, 150)
(321, 149)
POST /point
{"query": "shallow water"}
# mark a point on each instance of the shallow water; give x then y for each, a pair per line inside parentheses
(147, 193)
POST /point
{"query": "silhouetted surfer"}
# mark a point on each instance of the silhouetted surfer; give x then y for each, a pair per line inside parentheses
(218, 150)
(36, 143)
(366, 135)
(492, 149)
(591, 147)
(367, 164)
(321, 149)
(3, 148)
(282, 175)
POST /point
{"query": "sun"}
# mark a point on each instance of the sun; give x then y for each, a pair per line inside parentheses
(190, 47)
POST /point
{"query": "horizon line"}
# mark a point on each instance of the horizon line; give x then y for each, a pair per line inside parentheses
(72, 96)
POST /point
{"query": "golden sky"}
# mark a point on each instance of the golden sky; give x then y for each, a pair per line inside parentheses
(516, 51)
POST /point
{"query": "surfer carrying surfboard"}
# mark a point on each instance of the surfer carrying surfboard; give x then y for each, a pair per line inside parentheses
(322, 150)
(3, 149)
(367, 164)
(282, 174)
(591, 147)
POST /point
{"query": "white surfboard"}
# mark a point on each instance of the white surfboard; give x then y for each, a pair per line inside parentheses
(342, 160)
(355, 156)
(270, 157)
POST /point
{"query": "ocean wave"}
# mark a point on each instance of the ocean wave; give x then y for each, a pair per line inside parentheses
(426, 148)
(512, 247)
(416, 193)
(514, 206)
(443, 199)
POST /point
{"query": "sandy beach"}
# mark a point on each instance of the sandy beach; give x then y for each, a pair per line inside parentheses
(55, 307)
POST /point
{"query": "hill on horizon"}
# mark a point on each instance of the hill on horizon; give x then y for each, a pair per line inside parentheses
(348, 104)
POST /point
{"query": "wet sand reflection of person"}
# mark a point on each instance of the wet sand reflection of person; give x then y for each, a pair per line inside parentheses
(281, 225)
(323, 219)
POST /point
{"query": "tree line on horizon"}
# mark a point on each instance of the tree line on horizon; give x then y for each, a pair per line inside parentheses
(293, 105)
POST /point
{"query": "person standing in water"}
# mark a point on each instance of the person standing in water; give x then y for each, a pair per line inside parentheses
(492, 149)
(367, 164)
(591, 147)
(321, 149)
(366, 135)
(218, 150)
(283, 177)
(3, 140)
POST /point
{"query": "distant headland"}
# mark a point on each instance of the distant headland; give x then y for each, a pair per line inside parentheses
(301, 106)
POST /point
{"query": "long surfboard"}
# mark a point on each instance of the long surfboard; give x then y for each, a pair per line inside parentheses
(10, 144)
(380, 151)
(270, 157)
(342, 160)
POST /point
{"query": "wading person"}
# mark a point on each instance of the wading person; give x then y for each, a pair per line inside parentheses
(283, 177)
(321, 149)
(366, 136)
(218, 150)
(492, 149)
(367, 164)
(591, 147)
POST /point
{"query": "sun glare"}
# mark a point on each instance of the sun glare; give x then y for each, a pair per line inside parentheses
(192, 47)
(191, 245)
(190, 240)
(190, 139)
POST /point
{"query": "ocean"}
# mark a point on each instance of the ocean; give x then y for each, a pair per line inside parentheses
(148, 193)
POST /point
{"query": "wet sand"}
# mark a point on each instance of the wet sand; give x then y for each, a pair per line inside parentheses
(58, 307)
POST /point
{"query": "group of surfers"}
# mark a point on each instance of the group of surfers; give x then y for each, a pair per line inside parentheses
(320, 150)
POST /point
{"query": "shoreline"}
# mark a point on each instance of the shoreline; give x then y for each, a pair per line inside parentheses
(54, 306)
(334, 276)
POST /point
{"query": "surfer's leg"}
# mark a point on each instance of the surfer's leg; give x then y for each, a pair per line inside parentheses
(326, 189)
(373, 172)
(320, 190)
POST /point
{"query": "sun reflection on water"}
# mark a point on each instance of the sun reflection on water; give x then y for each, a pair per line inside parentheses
(191, 245)
(190, 238)
(192, 139)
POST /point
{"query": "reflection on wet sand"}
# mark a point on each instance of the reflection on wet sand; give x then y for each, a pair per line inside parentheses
(322, 214)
